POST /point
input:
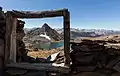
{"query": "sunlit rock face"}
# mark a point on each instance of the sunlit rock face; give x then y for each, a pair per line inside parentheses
(52, 33)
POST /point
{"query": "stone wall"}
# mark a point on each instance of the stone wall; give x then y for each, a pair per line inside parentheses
(95, 56)
(2, 40)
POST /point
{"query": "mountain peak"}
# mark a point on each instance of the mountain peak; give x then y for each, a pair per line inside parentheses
(45, 25)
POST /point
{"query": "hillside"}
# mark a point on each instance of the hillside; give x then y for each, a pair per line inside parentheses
(75, 33)
(54, 35)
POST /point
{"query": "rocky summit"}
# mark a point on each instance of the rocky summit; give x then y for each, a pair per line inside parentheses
(53, 34)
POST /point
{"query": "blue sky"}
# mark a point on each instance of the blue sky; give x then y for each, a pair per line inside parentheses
(84, 13)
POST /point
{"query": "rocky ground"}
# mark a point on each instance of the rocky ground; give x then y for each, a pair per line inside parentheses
(98, 56)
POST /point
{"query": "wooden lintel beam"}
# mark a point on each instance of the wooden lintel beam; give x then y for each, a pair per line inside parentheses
(37, 14)
(42, 12)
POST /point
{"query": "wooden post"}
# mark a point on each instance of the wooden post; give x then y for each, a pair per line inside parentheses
(8, 36)
(67, 37)
(13, 41)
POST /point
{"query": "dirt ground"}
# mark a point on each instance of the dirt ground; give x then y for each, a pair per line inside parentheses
(42, 53)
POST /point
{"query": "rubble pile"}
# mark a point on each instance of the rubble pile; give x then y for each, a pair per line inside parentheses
(57, 58)
(95, 56)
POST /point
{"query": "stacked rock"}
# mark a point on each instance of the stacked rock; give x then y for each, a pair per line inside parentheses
(91, 56)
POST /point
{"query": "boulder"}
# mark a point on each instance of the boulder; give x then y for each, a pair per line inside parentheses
(52, 57)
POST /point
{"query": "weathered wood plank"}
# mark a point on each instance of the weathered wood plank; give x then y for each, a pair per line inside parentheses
(8, 36)
(13, 41)
(48, 11)
(38, 14)
(67, 37)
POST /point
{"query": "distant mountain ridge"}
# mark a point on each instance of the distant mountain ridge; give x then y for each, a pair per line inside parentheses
(75, 32)
(88, 32)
